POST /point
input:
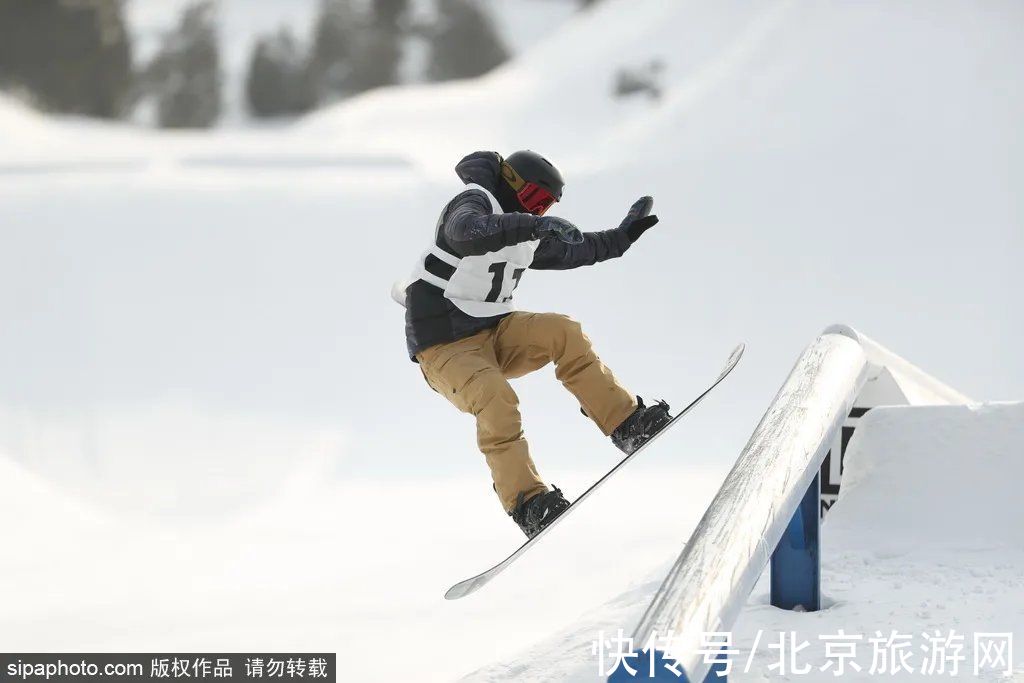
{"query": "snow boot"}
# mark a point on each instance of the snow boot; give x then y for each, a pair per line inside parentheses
(641, 426)
(539, 511)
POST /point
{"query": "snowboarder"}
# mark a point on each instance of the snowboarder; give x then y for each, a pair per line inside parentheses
(464, 332)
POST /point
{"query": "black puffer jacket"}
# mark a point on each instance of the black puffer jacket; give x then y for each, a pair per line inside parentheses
(467, 227)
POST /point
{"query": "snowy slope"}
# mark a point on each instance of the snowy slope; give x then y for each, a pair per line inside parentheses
(811, 162)
(297, 570)
(926, 536)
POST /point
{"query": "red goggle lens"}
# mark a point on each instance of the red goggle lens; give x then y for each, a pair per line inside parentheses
(535, 198)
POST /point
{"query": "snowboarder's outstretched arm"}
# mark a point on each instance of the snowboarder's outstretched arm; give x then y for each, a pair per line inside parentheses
(471, 229)
(555, 254)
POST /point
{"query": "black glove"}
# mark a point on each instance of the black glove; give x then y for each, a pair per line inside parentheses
(639, 220)
(558, 228)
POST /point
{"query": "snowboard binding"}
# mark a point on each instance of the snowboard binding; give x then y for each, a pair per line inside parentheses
(641, 426)
(539, 511)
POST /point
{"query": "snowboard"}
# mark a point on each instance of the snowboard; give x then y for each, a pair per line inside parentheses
(475, 583)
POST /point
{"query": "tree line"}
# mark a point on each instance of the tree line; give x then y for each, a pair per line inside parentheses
(354, 48)
(76, 57)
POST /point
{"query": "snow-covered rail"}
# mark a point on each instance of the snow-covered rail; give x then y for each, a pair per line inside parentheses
(772, 494)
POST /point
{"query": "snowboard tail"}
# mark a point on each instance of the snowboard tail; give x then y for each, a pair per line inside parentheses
(475, 583)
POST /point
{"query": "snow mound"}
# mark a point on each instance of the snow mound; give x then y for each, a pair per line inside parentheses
(933, 476)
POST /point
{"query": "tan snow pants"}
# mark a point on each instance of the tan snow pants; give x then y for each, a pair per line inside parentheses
(473, 374)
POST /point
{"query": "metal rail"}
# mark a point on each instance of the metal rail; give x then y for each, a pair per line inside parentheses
(763, 498)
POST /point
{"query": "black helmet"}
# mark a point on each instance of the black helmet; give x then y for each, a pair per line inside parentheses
(524, 166)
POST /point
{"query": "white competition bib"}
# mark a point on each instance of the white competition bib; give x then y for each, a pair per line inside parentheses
(481, 286)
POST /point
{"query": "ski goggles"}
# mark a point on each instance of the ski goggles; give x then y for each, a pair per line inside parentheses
(532, 196)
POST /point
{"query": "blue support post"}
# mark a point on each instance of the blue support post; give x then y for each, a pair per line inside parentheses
(795, 580)
(796, 562)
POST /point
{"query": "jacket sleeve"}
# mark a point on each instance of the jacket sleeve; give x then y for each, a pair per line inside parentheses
(554, 254)
(471, 229)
